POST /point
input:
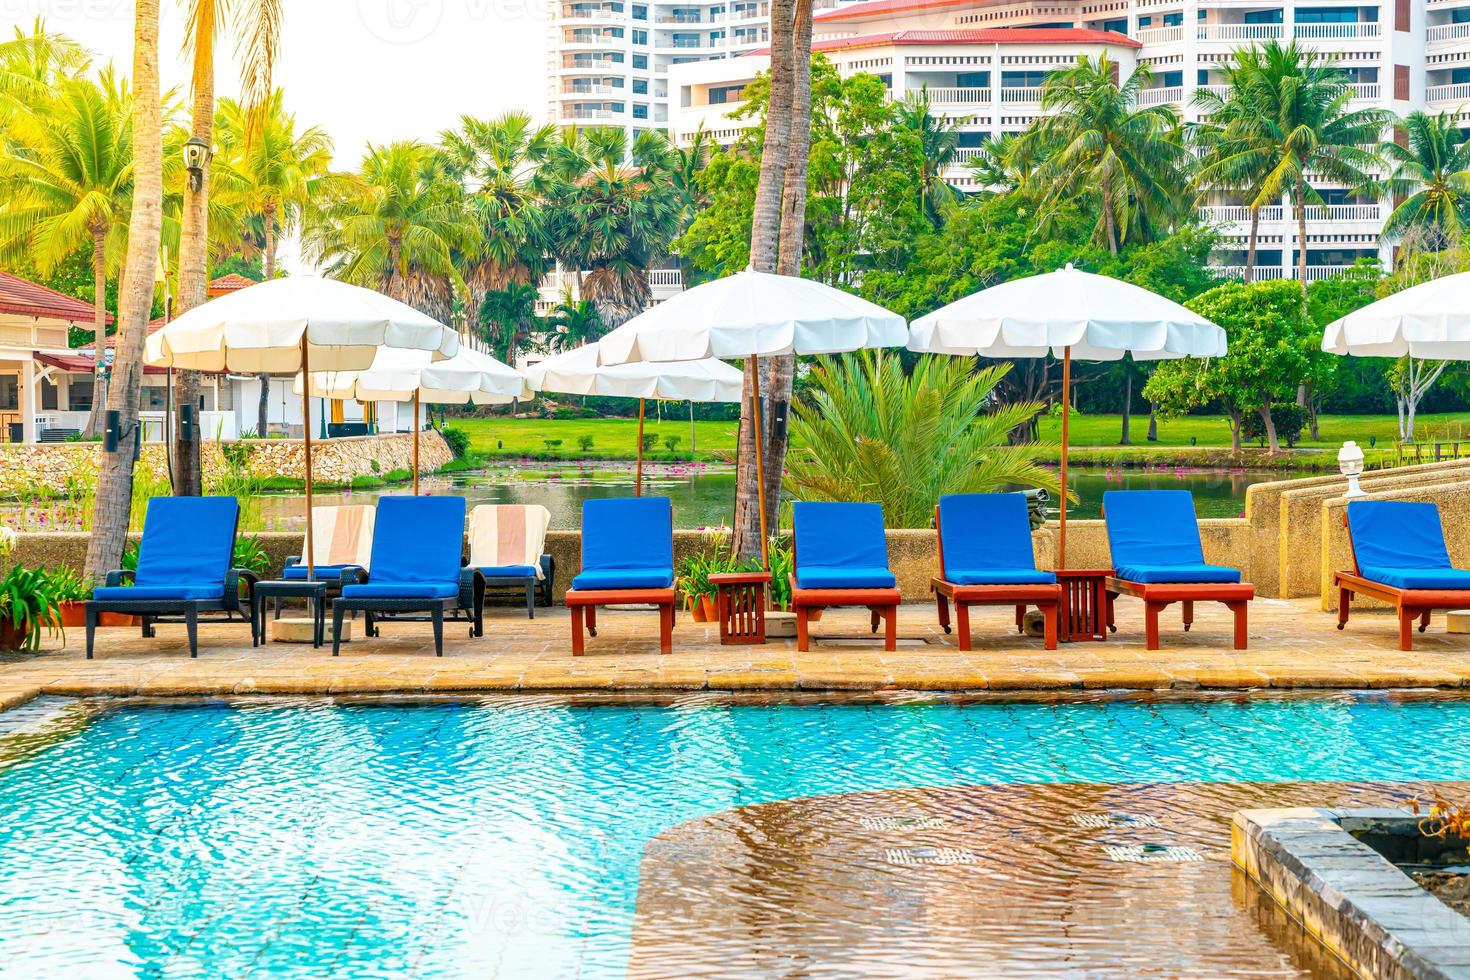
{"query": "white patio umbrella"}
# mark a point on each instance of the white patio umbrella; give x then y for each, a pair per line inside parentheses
(288, 325)
(1068, 314)
(469, 377)
(754, 314)
(577, 372)
(1430, 321)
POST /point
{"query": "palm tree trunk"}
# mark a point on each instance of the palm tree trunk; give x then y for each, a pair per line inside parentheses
(194, 251)
(1107, 206)
(115, 480)
(764, 233)
(263, 409)
(99, 328)
(1124, 439)
(781, 370)
(1301, 236)
(1250, 246)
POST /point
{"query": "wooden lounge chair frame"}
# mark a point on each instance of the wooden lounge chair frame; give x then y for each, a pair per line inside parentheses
(583, 603)
(882, 604)
(1046, 598)
(1408, 604)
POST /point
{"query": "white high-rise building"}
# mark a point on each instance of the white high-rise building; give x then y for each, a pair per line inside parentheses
(609, 60)
(983, 62)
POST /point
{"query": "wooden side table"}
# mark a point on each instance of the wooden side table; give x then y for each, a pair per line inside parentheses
(1084, 612)
(740, 604)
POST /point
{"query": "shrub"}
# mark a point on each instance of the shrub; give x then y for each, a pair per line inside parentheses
(573, 412)
(650, 439)
(552, 445)
(584, 443)
(458, 440)
(28, 605)
(671, 443)
(250, 555)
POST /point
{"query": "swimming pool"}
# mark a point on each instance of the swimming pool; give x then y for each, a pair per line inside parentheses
(464, 838)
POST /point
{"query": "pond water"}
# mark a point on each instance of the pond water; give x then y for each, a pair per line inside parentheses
(704, 494)
(504, 837)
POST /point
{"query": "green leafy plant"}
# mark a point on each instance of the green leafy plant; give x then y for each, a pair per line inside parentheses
(552, 444)
(1289, 417)
(671, 443)
(693, 577)
(68, 586)
(458, 440)
(27, 607)
(649, 441)
(584, 443)
(250, 555)
(781, 566)
(375, 466)
(129, 562)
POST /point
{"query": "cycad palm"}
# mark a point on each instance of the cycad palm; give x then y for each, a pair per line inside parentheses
(868, 431)
(1095, 140)
(1430, 179)
(68, 188)
(939, 140)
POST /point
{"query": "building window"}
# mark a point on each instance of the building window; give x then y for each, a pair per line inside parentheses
(1022, 79)
(1173, 20)
(1203, 77)
(640, 86)
(725, 94)
(1172, 79)
(1401, 82)
(640, 61)
(1144, 22)
(1327, 15)
(1119, 26)
(972, 79)
(9, 392)
(640, 37)
(1262, 17)
(79, 394)
(640, 11)
(640, 111)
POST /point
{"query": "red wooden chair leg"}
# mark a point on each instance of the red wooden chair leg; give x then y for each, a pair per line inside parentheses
(1111, 612)
(1151, 612)
(592, 620)
(890, 631)
(1406, 628)
(1242, 623)
(962, 624)
(803, 639)
(1424, 620)
(873, 617)
(1049, 614)
(1020, 619)
(942, 602)
(1344, 605)
(1187, 606)
(578, 643)
(666, 628)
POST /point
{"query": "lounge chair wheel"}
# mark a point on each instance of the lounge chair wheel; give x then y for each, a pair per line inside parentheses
(1342, 626)
(1187, 626)
(592, 631)
(1112, 628)
(1423, 628)
(948, 630)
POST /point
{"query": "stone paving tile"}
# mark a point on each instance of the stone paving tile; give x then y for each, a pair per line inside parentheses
(1293, 645)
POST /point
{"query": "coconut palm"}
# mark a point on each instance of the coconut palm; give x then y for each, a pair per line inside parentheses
(1230, 161)
(572, 323)
(1293, 116)
(68, 187)
(32, 66)
(269, 170)
(614, 214)
(501, 163)
(508, 319)
(868, 431)
(1095, 142)
(394, 226)
(135, 300)
(1430, 180)
(1002, 163)
(939, 140)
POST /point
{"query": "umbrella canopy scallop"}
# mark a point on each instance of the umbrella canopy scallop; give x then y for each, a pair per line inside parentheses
(1099, 317)
(469, 377)
(258, 330)
(1430, 320)
(753, 313)
(577, 372)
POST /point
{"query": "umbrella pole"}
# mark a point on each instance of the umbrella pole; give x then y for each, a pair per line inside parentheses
(306, 433)
(415, 442)
(760, 458)
(1066, 412)
(638, 473)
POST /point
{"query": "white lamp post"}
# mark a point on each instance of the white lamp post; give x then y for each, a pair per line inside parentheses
(1350, 464)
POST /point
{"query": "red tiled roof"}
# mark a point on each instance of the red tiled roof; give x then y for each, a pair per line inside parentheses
(228, 284)
(993, 35)
(80, 363)
(28, 298)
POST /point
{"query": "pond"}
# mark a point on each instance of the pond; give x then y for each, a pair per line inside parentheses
(704, 494)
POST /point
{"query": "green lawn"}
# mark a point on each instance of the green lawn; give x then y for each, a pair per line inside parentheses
(617, 438)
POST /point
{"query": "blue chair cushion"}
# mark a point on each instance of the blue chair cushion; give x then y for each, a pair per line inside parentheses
(997, 576)
(324, 573)
(510, 571)
(157, 593)
(187, 541)
(401, 590)
(417, 546)
(844, 577)
(985, 532)
(628, 533)
(1152, 528)
(840, 546)
(1177, 574)
(624, 578)
(1397, 534)
(1418, 578)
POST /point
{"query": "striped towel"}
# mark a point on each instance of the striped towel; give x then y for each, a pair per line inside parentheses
(342, 535)
(508, 534)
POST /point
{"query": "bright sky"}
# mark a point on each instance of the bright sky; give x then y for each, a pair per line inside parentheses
(365, 70)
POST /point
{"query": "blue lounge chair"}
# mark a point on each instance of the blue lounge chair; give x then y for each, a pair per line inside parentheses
(840, 558)
(1399, 556)
(627, 557)
(183, 569)
(1157, 556)
(986, 559)
(418, 546)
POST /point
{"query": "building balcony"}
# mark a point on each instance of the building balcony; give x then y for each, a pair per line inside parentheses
(1448, 93)
(1239, 214)
(1161, 96)
(1447, 32)
(600, 16)
(1219, 214)
(586, 90)
(590, 115)
(962, 97)
(679, 19)
(1314, 272)
(1237, 33)
(591, 64)
(1160, 35)
(1027, 95)
(1332, 32)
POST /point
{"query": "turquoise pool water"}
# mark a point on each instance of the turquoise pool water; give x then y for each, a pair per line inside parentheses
(470, 838)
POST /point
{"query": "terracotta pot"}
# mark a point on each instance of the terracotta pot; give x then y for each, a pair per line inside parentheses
(815, 613)
(697, 611)
(11, 636)
(118, 619)
(709, 608)
(73, 614)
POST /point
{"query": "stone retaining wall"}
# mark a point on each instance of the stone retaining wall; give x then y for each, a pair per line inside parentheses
(30, 471)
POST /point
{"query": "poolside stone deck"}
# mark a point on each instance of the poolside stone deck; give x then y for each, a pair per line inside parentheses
(1292, 645)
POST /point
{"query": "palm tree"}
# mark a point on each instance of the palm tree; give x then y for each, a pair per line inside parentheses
(145, 222)
(32, 66)
(256, 26)
(870, 432)
(1430, 180)
(507, 319)
(1230, 162)
(69, 187)
(394, 226)
(501, 162)
(572, 323)
(1293, 117)
(1096, 141)
(614, 214)
(1003, 163)
(939, 140)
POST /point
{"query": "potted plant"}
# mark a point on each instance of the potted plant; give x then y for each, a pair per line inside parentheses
(695, 587)
(26, 608)
(71, 593)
